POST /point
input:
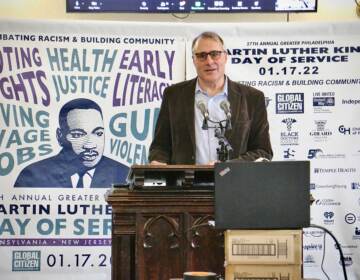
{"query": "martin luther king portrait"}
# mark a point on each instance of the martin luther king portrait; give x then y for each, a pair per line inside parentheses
(80, 163)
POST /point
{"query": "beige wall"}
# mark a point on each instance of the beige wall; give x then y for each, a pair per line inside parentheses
(328, 10)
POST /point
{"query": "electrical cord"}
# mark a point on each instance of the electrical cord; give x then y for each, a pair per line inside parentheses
(323, 257)
(337, 245)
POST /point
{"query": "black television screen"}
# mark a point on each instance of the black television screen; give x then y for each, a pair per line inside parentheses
(190, 6)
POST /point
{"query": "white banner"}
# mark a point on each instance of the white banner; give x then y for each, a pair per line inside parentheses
(310, 77)
(308, 72)
(72, 104)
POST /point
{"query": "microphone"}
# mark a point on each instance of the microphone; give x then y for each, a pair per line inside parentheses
(225, 106)
(202, 107)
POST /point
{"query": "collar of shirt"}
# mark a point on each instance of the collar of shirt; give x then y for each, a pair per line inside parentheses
(205, 140)
(223, 92)
(87, 178)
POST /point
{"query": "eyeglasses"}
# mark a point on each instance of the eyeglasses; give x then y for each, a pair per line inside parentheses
(215, 55)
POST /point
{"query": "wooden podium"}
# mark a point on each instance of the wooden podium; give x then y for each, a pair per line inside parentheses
(160, 224)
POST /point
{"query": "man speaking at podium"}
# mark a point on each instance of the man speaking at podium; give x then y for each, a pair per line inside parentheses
(206, 117)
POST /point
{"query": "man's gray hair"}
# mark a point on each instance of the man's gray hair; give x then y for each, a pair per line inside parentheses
(207, 35)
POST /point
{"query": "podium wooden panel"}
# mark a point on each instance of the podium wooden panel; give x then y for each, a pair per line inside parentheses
(159, 233)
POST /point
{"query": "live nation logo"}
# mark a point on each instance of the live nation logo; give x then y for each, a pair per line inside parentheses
(320, 133)
(289, 137)
(290, 103)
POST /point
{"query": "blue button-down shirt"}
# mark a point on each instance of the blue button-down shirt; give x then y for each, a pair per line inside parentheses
(205, 140)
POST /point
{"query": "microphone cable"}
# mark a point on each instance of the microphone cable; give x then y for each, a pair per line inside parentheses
(323, 257)
(342, 259)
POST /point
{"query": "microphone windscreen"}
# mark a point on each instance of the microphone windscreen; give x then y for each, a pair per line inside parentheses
(202, 107)
(225, 106)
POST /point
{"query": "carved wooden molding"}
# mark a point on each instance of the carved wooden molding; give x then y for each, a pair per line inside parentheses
(174, 236)
(194, 233)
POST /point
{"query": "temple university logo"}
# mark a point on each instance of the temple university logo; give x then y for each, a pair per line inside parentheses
(320, 133)
(289, 137)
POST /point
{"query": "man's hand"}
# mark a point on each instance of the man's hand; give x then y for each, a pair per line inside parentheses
(155, 162)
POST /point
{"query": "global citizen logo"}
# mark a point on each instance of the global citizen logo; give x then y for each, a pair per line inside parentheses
(320, 133)
(290, 103)
(26, 261)
(319, 154)
(289, 137)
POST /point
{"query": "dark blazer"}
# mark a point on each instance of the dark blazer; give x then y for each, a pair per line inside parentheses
(55, 172)
(174, 139)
